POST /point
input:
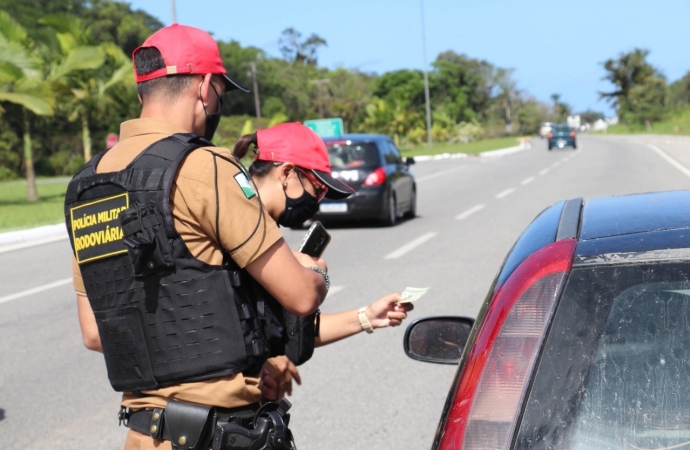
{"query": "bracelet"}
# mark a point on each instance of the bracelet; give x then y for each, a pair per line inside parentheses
(364, 320)
(326, 278)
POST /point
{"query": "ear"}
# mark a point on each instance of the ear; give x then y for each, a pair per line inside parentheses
(285, 170)
(141, 101)
(204, 88)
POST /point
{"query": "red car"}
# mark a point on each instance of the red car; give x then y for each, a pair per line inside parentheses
(584, 339)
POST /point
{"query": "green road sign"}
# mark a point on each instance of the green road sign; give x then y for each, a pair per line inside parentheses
(326, 127)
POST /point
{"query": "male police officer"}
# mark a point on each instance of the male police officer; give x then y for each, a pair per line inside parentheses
(166, 230)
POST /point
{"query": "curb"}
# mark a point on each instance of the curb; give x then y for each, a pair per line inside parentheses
(46, 233)
(488, 154)
(441, 156)
(506, 151)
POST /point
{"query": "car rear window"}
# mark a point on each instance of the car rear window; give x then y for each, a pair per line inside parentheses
(560, 129)
(638, 391)
(344, 155)
(615, 369)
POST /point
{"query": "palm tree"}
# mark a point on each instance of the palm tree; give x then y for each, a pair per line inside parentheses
(98, 92)
(83, 76)
(21, 83)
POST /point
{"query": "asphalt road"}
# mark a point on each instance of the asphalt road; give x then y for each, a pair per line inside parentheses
(362, 392)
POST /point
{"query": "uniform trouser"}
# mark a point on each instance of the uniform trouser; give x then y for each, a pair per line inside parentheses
(138, 441)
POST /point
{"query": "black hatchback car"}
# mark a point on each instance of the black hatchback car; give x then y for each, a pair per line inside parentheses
(583, 341)
(372, 165)
(561, 136)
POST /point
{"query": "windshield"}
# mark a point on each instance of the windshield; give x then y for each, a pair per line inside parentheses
(560, 129)
(352, 155)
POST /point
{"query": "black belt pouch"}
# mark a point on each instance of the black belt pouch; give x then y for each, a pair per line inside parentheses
(190, 425)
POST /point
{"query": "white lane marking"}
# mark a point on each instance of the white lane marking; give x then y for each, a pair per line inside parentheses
(334, 290)
(565, 159)
(35, 290)
(438, 174)
(411, 246)
(505, 193)
(544, 171)
(527, 181)
(556, 164)
(21, 245)
(469, 212)
(670, 160)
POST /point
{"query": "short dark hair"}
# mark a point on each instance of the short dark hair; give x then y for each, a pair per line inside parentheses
(169, 87)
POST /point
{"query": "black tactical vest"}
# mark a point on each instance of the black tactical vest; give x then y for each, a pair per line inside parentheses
(163, 316)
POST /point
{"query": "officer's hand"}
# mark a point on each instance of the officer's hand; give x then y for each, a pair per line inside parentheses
(268, 386)
(281, 371)
(387, 312)
(310, 261)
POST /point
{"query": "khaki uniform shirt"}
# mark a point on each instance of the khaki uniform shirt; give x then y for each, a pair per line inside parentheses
(193, 207)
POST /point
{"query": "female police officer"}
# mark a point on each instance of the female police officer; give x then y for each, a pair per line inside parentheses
(165, 228)
(292, 174)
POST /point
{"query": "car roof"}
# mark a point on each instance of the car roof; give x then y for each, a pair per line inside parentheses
(635, 223)
(357, 137)
(637, 213)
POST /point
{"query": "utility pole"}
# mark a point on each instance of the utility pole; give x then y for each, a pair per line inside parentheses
(174, 15)
(426, 79)
(257, 101)
(318, 84)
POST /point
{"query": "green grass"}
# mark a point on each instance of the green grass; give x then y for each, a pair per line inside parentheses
(472, 148)
(16, 213)
(678, 123)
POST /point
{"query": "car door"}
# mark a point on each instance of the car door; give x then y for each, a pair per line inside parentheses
(400, 174)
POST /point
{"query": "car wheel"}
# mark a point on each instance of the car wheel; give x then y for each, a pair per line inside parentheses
(574, 146)
(392, 213)
(550, 148)
(412, 212)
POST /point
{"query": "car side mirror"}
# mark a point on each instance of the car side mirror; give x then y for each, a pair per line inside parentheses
(438, 340)
(409, 161)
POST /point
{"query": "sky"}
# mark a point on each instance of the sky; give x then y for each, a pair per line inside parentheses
(554, 46)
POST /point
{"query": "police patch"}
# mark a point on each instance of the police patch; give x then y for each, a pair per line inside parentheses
(247, 189)
(96, 231)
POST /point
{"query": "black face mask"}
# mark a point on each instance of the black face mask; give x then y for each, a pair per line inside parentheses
(298, 210)
(212, 120)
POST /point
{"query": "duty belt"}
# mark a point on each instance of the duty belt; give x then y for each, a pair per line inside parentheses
(190, 426)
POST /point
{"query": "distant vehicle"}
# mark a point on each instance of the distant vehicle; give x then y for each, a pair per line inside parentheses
(583, 341)
(561, 136)
(545, 129)
(372, 165)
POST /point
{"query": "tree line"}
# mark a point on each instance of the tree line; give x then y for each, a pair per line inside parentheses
(66, 82)
(642, 95)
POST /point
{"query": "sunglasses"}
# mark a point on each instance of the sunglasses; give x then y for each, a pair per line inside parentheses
(319, 188)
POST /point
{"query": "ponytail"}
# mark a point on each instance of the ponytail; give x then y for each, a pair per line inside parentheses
(258, 169)
(242, 145)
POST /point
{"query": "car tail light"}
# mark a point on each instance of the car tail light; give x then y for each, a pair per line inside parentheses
(376, 177)
(549, 136)
(490, 390)
(572, 134)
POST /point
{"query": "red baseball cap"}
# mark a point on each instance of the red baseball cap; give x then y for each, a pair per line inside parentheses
(297, 144)
(186, 50)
